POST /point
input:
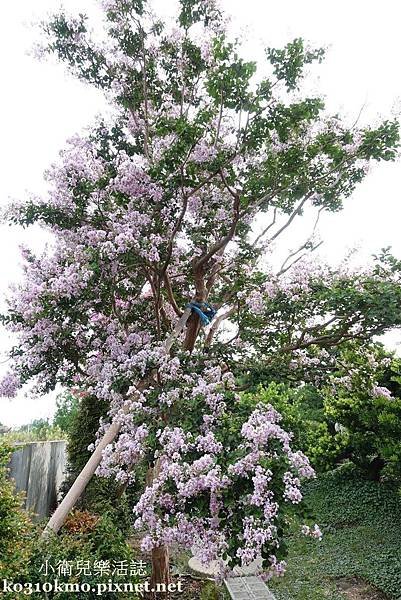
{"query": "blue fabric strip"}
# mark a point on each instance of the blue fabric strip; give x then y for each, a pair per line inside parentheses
(204, 310)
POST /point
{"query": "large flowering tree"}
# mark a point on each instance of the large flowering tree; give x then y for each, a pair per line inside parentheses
(159, 294)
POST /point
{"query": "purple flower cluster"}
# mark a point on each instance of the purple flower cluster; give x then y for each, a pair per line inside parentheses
(9, 385)
(379, 391)
(313, 532)
(191, 467)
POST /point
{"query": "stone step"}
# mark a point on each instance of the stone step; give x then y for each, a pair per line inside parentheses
(249, 587)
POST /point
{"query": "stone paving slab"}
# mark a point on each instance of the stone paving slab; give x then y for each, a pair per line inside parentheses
(244, 585)
(252, 569)
(212, 568)
(248, 588)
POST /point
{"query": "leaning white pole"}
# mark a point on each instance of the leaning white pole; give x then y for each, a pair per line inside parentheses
(59, 516)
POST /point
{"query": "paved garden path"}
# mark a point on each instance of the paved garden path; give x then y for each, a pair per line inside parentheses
(245, 585)
(248, 587)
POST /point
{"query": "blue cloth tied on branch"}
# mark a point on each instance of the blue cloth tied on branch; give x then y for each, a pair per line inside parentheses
(204, 310)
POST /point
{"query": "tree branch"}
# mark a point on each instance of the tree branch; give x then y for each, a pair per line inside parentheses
(292, 217)
(170, 294)
(224, 241)
(259, 237)
(216, 324)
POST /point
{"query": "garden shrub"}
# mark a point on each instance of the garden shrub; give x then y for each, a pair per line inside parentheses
(86, 540)
(303, 414)
(25, 556)
(357, 417)
(67, 406)
(365, 400)
(39, 430)
(361, 524)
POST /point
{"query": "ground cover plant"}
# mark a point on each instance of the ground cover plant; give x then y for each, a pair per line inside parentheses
(361, 542)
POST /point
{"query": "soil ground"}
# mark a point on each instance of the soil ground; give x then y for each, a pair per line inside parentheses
(355, 589)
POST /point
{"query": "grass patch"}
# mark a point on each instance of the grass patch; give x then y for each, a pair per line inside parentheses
(361, 522)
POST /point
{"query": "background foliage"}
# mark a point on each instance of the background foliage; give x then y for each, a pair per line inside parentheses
(361, 523)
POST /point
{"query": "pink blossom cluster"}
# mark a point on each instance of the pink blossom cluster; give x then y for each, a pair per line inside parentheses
(127, 451)
(313, 532)
(360, 375)
(203, 152)
(9, 385)
(190, 467)
(380, 391)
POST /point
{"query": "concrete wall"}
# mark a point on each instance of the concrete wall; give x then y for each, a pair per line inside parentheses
(38, 470)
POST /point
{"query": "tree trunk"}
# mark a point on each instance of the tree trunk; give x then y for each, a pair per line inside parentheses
(160, 572)
(375, 468)
(78, 487)
(160, 555)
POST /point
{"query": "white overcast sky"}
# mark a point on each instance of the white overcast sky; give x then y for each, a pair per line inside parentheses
(40, 106)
